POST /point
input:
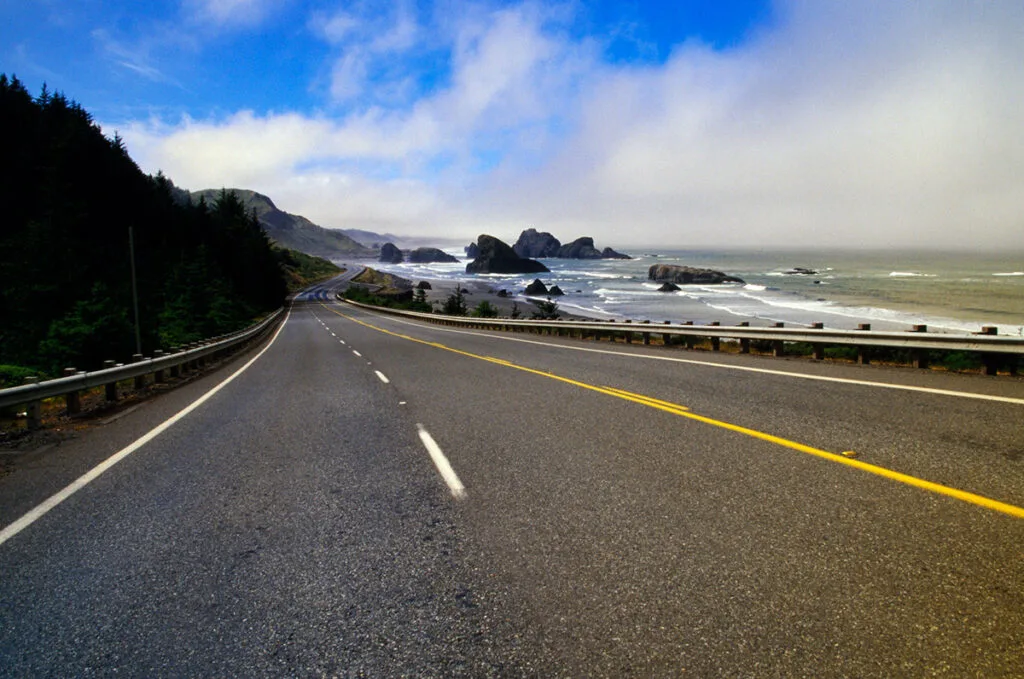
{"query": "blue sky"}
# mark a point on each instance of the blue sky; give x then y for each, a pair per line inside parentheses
(678, 123)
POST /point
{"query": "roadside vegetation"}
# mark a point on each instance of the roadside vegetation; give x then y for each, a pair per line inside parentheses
(70, 196)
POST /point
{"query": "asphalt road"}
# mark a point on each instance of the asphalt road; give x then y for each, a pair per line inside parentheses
(296, 524)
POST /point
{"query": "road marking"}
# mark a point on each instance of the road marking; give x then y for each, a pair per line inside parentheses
(333, 335)
(357, 353)
(442, 464)
(683, 411)
(725, 366)
(85, 479)
(342, 341)
(382, 376)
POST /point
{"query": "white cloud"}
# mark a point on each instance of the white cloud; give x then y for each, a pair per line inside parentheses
(846, 123)
(230, 12)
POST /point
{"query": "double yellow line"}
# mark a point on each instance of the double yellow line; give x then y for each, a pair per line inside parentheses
(683, 411)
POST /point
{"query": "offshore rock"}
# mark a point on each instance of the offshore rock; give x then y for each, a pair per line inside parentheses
(669, 287)
(581, 248)
(608, 253)
(390, 254)
(429, 255)
(555, 291)
(472, 250)
(497, 256)
(532, 243)
(537, 287)
(686, 275)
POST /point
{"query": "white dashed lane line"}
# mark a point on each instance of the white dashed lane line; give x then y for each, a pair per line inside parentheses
(382, 376)
(442, 464)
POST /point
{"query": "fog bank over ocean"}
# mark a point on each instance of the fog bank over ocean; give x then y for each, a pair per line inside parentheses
(951, 292)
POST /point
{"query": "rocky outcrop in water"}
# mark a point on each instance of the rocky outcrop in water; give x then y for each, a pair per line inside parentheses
(669, 287)
(533, 243)
(608, 253)
(472, 250)
(581, 248)
(535, 288)
(429, 255)
(686, 275)
(496, 256)
(390, 254)
(555, 291)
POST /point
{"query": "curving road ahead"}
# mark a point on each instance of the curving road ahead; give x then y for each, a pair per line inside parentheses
(374, 496)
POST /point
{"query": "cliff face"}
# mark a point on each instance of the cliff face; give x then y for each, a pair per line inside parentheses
(686, 275)
(532, 243)
(293, 231)
(497, 257)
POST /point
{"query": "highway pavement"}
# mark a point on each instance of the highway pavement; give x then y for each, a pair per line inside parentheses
(378, 497)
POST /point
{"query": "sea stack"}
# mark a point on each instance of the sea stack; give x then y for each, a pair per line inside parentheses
(686, 275)
(497, 256)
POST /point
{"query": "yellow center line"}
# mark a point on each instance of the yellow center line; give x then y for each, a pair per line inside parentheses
(683, 411)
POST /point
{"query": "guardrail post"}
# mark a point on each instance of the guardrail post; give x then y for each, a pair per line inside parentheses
(140, 381)
(990, 360)
(72, 400)
(646, 336)
(629, 333)
(110, 387)
(862, 353)
(716, 342)
(173, 370)
(667, 338)
(920, 355)
(778, 346)
(744, 341)
(818, 347)
(688, 339)
(158, 376)
(33, 409)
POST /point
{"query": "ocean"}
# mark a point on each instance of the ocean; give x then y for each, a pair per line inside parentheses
(948, 292)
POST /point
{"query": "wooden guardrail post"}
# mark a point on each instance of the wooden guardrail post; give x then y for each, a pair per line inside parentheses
(744, 341)
(72, 400)
(920, 355)
(33, 409)
(140, 381)
(862, 352)
(629, 333)
(646, 335)
(989, 359)
(818, 347)
(666, 338)
(716, 342)
(175, 370)
(688, 339)
(778, 346)
(158, 376)
(110, 387)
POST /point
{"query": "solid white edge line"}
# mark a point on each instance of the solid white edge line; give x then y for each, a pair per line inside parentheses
(85, 479)
(711, 364)
(442, 464)
(382, 376)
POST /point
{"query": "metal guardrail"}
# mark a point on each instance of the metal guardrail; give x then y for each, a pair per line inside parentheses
(71, 385)
(918, 340)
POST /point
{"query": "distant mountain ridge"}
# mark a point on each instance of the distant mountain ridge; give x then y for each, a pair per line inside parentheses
(293, 231)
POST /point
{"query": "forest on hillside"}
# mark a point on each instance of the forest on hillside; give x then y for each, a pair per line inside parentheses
(69, 198)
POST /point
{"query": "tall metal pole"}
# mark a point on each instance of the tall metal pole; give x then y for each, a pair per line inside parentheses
(135, 292)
